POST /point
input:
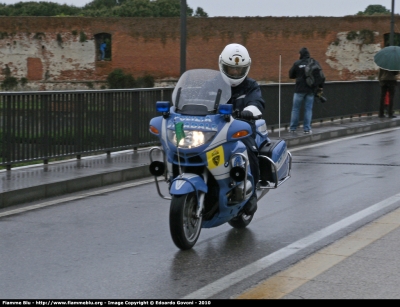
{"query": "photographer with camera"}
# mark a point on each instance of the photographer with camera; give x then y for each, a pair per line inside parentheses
(309, 84)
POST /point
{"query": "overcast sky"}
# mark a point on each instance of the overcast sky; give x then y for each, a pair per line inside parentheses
(242, 8)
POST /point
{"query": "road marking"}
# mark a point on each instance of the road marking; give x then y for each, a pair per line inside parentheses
(342, 139)
(259, 265)
(71, 198)
(287, 281)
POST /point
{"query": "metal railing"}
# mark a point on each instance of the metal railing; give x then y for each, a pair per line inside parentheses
(46, 125)
(345, 99)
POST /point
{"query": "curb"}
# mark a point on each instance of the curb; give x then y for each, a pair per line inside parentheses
(340, 132)
(24, 195)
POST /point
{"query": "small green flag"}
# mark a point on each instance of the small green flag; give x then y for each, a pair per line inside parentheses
(180, 134)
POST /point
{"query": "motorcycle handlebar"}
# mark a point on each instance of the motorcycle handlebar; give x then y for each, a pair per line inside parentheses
(238, 114)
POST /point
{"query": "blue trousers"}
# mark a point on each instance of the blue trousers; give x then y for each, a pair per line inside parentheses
(298, 100)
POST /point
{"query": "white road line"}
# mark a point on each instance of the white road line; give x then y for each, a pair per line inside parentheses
(255, 267)
(343, 139)
(71, 198)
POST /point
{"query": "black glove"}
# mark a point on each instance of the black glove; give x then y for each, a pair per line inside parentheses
(246, 115)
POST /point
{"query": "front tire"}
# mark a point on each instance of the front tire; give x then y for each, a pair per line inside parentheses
(183, 224)
(241, 221)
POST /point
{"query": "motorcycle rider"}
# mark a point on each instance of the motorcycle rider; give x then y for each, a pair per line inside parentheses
(234, 65)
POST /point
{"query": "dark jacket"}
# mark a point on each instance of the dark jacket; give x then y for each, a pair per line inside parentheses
(297, 72)
(387, 75)
(248, 93)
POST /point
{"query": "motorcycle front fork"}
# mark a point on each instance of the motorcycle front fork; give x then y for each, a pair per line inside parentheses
(200, 199)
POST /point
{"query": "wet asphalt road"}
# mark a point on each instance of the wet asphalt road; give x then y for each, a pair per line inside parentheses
(116, 244)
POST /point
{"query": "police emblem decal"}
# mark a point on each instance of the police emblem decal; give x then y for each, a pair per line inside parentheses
(215, 157)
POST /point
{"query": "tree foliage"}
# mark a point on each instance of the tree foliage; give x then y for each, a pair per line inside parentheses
(375, 9)
(38, 9)
(102, 8)
(117, 79)
(200, 13)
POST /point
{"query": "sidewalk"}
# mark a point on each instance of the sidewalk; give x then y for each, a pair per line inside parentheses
(362, 265)
(25, 184)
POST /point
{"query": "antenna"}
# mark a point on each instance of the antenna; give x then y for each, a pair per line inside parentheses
(279, 120)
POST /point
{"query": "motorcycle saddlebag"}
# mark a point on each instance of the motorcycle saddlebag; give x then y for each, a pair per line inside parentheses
(276, 150)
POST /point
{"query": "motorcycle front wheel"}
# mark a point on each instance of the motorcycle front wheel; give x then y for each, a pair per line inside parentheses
(183, 224)
(241, 221)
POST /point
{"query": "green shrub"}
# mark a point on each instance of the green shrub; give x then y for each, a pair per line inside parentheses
(9, 83)
(117, 79)
(82, 37)
(352, 35)
(367, 36)
(90, 84)
(146, 81)
(23, 81)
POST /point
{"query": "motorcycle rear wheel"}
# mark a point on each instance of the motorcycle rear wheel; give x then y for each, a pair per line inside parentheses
(183, 224)
(241, 221)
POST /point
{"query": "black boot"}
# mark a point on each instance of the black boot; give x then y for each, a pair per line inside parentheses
(251, 206)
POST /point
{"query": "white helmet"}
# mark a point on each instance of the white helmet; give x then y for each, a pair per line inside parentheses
(234, 64)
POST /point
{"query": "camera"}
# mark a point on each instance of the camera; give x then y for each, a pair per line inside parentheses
(321, 98)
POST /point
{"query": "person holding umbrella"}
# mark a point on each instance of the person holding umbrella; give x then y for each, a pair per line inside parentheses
(388, 60)
(387, 81)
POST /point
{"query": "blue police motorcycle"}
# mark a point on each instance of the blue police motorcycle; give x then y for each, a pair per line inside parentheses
(205, 164)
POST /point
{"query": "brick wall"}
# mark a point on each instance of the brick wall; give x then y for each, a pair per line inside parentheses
(35, 69)
(142, 46)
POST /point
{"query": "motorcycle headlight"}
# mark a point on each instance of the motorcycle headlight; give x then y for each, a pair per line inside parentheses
(192, 139)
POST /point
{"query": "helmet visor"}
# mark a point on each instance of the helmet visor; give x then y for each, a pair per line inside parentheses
(235, 72)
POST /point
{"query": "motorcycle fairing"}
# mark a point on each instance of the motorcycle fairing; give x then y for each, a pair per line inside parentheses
(221, 171)
(207, 123)
(261, 132)
(215, 157)
(225, 212)
(225, 134)
(156, 122)
(279, 155)
(160, 123)
(187, 183)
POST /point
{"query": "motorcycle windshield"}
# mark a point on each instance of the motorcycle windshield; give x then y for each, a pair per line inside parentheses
(200, 92)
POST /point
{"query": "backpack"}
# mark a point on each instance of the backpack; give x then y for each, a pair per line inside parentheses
(313, 73)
